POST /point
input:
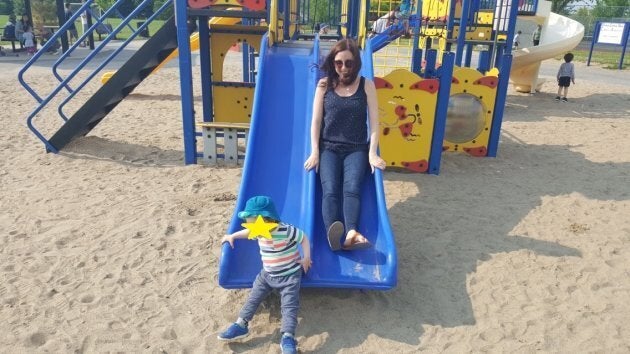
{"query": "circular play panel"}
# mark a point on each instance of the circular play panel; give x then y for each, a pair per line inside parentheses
(465, 118)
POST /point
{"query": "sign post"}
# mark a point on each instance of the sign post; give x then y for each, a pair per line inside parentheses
(615, 33)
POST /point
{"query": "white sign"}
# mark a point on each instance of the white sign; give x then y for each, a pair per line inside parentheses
(611, 33)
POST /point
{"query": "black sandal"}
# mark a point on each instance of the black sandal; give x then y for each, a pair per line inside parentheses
(335, 233)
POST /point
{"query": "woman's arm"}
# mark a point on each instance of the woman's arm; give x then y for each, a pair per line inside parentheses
(370, 91)
(316, 125)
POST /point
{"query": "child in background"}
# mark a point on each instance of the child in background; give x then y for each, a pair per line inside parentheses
(29, 41)
(517, 39)
(566, 75)
(282, 270)
(536, 35)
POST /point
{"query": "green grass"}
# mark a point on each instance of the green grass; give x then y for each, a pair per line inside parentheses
(609, 60)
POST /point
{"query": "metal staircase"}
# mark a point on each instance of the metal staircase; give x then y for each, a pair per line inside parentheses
(108, 96)
(121, 84)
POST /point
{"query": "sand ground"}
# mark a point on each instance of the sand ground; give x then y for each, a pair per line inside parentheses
(113, 244)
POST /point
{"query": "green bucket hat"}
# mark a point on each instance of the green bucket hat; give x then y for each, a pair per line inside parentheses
(259, 205)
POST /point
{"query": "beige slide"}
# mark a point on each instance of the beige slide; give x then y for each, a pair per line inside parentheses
(559, 35)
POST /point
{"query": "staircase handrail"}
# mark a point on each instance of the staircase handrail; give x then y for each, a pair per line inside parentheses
(61, 31)
(110, 36)
(114, 54)
(44, 101)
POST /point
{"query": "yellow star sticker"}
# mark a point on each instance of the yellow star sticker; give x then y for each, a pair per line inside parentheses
(259, 228)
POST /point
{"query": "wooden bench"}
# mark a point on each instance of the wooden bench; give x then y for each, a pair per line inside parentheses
(229, 132)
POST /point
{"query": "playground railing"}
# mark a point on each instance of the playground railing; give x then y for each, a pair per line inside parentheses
(526, 7)
(44, 100)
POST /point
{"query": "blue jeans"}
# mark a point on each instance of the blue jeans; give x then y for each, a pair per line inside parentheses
(342, 177)
(289, 288)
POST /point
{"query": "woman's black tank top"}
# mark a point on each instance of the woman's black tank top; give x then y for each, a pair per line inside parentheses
(344, 128)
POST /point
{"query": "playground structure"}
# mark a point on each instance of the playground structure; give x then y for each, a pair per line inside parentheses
(279, 104)
(560, 34)
(462, 107)
(472, 121)
(285, 84)
(274, 100)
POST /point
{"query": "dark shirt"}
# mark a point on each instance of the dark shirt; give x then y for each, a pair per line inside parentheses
(9, 31)
(344, 128)
(72, 25)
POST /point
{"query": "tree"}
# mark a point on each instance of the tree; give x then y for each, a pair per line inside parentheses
(129, 5)
(104, 4)
(562, 6)
(18, 8)
(168, 12)
(44, 12)
(611, 8)
(6, 7)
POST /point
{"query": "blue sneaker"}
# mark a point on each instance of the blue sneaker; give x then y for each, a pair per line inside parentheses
(288, 345)
(233, 332)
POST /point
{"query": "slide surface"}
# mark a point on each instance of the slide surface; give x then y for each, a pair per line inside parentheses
(559, 36)
(277, 148)
(389, 35)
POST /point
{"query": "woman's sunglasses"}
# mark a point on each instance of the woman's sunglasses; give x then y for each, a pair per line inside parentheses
(348, 63)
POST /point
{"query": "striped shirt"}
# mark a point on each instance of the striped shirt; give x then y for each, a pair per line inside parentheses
(280, 254)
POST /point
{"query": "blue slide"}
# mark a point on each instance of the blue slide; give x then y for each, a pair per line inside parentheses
(279, 143)
(390, 34)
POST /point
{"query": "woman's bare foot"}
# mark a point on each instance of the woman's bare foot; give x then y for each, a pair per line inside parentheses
(355, 241)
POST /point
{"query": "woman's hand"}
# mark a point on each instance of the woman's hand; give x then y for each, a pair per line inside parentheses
(312, 162)
(377, 162)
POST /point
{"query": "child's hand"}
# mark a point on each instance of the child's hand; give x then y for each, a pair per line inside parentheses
(306, 263)
(229, 239)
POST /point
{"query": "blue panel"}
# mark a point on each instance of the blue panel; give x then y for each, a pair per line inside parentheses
(278, 146)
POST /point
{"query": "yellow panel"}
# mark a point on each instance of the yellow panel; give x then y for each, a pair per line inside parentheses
(485, 18)
(344, 17)
(436, 10)
(232, 104)
(220, 43)
(256, 5)
(479, 34)
(273, 24)
(406, 105)
(467, 80)
(435, 32)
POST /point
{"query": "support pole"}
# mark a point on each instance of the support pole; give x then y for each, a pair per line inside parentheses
(206, 75)
(185, 78)
(61, 17)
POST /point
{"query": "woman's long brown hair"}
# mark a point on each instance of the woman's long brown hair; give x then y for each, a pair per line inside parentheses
(328, 66)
